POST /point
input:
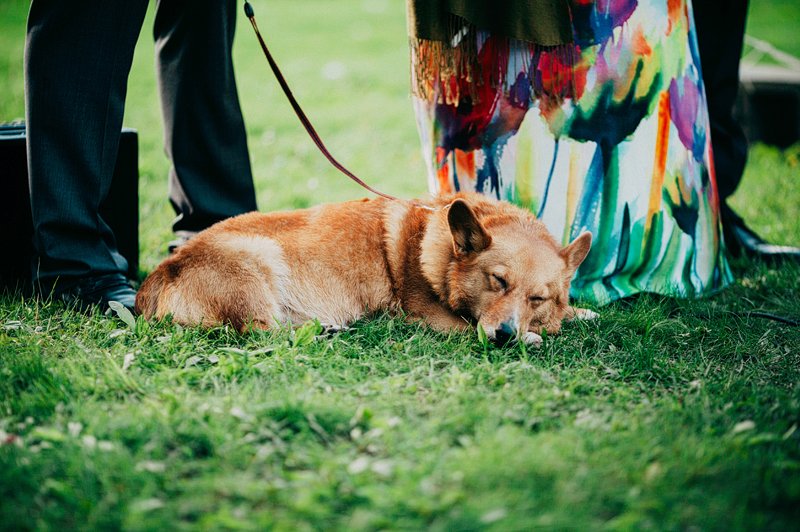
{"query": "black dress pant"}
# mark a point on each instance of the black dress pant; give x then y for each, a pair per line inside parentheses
(77, 59)
(720, 35)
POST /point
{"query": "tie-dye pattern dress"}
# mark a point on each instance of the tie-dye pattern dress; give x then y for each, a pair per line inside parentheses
(608, 135)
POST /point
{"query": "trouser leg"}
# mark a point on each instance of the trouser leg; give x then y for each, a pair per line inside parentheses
(77, 59)
(204, 134)
(720, 35)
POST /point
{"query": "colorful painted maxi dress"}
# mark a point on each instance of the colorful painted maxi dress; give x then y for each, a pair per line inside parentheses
(608, 134)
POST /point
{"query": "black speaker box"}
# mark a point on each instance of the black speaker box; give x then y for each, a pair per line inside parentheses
(120, 209)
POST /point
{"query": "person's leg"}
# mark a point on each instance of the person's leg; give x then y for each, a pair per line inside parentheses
(77, 60)
(720, 36)
(204, 134)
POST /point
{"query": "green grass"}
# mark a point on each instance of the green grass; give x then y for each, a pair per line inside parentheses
(662, 414)
(775, 21)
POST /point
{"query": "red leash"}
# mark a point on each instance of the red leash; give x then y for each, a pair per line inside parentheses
(248, 11)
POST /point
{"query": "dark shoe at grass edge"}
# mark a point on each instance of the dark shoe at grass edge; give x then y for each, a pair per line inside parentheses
(96, 291)
(740, 241)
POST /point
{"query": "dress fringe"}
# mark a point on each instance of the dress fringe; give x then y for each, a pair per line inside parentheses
(472, 60)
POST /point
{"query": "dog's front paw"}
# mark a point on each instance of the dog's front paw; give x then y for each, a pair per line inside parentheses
(329, 329)
(531, 338)
(581, 314)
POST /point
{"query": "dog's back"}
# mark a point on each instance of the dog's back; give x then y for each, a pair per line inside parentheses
(262, 269)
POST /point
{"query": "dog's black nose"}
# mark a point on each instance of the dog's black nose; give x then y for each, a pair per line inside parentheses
(504, 334)
(502, 337)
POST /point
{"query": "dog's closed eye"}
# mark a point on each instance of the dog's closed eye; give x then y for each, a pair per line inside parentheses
(499, 282)
(536, 300)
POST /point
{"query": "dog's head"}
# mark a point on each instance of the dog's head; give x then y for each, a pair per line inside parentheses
(506, 270)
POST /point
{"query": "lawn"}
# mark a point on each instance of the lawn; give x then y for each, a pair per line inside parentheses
(665, 414)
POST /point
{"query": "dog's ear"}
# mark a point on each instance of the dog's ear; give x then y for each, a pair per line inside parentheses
(469, 236)
(575, 253)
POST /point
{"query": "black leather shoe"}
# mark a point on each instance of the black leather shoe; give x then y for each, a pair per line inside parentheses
(97, 290)
(742, 241)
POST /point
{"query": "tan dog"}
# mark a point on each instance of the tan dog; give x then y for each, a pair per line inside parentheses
(452, 262)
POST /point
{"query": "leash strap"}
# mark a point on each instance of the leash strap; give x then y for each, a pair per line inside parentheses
(248, 11)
